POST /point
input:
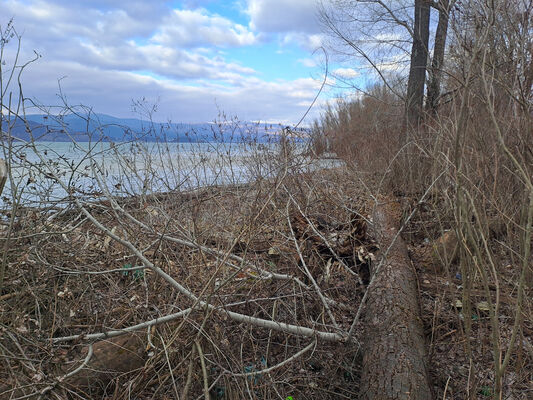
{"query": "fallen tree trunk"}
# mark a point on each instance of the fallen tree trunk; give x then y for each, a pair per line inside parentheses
(394, 355)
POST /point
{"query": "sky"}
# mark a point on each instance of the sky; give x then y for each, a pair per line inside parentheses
(193, 59)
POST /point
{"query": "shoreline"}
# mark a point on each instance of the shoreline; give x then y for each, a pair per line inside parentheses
(310, 164)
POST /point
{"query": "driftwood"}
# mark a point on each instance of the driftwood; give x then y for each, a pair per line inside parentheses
(342, 239)
(394, 355)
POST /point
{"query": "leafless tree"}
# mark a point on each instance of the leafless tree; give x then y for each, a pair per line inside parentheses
(386, 34)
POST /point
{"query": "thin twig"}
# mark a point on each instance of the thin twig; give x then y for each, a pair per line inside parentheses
(279, 365)
(170, 368)
(61, 379)
(204, 369)
(308, 273)
(185, 391)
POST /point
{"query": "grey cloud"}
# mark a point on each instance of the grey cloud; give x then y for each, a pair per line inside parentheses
(166, 61)
(138, 8)
(103, 38)
(181, 103)
(275, 16)
(100, 49)
(197, 28)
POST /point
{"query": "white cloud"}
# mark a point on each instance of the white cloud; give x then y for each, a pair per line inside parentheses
(200, 101)
(197, 28)
(388, 37)
(308, 62)
(346, 73)
(49, 21)
(283, 16)
(162, 41)
(395, 63)
(112, 52)
(308, 42)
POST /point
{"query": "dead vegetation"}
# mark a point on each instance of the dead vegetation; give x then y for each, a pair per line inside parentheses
(255, 291)
(67, 282)
(466, 169)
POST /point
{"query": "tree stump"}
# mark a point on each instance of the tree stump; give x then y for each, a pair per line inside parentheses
(394, 347)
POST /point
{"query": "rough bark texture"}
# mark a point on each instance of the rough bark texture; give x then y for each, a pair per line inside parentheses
(417, 69)
(394, 357)
(438, 56)
(3, 174)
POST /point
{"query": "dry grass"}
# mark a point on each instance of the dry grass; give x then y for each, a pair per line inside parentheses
(476, 152)
(54, 288)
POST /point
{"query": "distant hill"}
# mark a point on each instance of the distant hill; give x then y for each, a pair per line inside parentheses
(31, 130)
(105, 127)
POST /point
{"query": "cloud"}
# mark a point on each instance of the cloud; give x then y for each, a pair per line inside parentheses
(394, 63)
(308, 62)
(346, 73)
(171, 62)
(196, 3)
(275, 16)
(199, 101)
(112, 52)
(161, 40)
(186, 28)
(60, 20)
(306, 41)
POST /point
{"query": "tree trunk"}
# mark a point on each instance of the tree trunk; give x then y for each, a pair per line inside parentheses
(3, 174)
(394, 356)
(417, 70)
(438, 56)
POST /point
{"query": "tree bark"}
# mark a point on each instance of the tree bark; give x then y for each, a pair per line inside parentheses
(417, 70)
(438, 56)
(394, 355)
(3, 174)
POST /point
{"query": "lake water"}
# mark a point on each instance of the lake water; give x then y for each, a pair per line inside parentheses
(45, 173)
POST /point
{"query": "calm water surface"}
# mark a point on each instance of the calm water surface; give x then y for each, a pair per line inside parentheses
(45, 173)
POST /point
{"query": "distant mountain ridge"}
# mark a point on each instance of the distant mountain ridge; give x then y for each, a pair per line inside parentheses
(68, 127)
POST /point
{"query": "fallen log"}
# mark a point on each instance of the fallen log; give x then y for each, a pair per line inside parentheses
(394, 348)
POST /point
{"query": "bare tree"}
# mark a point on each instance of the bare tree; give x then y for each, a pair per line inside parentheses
(374, 31)
(393, 36)
(418, 65)
(439, 47)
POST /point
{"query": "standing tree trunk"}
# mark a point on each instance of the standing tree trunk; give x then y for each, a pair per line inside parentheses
(3, 175)
(394, 355)
(438, 56)
(417, 70)
(3, 178)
